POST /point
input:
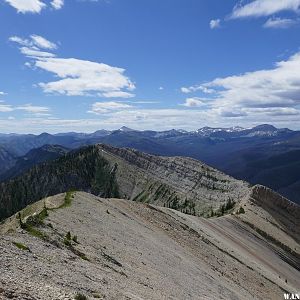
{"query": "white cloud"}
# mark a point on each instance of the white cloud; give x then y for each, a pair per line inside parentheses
(23, 42)
(228, 113)
(280, 23)
(57, 4)
(29, 108)
(274, 91)
(33, 108)
(41, 42)
(213, 24)
(192, 89)
(117, 94)
(36, 6)
(82, 77)
(27, 6)
(76, 77)
(194, 102)
(259, 8)
(5, 107)
(145, 102)
(105, 107)
(161, 88)
(276, 111)
(34, 44)
(145, 119)
(30, 52)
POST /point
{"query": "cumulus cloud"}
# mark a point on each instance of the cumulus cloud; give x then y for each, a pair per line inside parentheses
(57, 4)
(259, 8)
(274, 91)
(76, 77)
(213, 24)
(27, 6)
(280, 23)
(105, 107)
(82, 77)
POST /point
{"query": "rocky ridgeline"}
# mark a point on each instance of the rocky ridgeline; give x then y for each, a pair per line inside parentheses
(286, 213)
(264, 196)
(78, 244)
(181, 183)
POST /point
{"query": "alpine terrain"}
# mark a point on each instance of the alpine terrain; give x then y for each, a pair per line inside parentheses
(115, 223)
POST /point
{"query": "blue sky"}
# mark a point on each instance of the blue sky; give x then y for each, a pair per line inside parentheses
(83, 65)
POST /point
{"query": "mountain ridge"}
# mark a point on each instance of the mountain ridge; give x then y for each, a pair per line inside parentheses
(136, 250)
(181, 183)
(252, 158)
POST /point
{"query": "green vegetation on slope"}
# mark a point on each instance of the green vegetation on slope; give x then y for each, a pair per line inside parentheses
(84, 169)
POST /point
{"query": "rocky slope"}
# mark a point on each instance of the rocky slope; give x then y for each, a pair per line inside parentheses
(181, 183)
(129, 250)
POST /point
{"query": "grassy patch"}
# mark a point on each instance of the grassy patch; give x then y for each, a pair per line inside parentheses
(21, 246)
(30, 224)
(68, 199)
(34, 231)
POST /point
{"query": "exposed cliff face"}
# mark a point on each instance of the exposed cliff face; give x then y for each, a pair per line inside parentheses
(181, 183)
(269, 199)
(272, 207)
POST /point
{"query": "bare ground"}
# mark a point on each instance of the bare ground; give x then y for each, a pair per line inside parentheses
(129, 250)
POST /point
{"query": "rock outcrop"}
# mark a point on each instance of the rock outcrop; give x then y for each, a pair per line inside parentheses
(181, 183)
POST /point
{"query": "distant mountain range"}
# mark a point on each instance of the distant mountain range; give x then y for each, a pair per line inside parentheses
(260, 155)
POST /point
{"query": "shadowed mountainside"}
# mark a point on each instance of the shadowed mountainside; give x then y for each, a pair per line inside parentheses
(32, 158)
